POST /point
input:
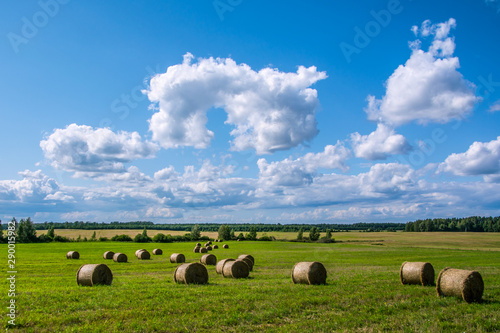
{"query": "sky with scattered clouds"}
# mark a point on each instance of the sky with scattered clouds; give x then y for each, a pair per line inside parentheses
(235, 111)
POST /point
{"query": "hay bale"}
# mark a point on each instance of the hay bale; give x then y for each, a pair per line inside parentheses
(193, 273)
(120, 257)
(220, 265)
(94, 274)
(238, 240)
(197, 249)
(137, 252)
(417, 273)
(157, 252)
(209, 248)
(108, 255)
(461, 283)
(225, 246)
(207, 244)
(215, 247)
(236, 269)
(177, 258)
(72, 255)
(247, 256)
(208, 259)
(143, 255)
(247, 262)
(203, 250)
(198, 244)
(309, 273)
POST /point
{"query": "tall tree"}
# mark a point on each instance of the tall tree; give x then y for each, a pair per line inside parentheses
(26, 232)
(51, 233)
(300, 235)
(314, 234)
(195, 232)
(224, 232)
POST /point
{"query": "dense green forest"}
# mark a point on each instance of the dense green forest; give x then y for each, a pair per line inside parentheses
(472, 223)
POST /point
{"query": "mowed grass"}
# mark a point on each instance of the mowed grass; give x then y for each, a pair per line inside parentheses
(363, 291)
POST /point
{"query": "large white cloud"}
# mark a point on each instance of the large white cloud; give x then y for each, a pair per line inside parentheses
(428, 87)
(379, 144)
(270, 110)
(481, 159)
(85, 149)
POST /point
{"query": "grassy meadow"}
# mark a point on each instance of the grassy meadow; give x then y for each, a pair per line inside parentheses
(363, 291)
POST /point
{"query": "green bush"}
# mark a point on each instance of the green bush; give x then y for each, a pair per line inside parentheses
(121, 238)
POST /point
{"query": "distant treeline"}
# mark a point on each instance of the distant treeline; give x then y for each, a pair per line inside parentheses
(206, 227)
(472, 223)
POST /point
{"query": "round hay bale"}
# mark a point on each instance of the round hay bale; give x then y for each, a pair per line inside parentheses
(209, 248)
(203, 250)
(157, 252)
(225, 246)
(197, 249)
(209, 242)
(177, 258)
(417, 273)
(143, 255)
(72, 255)
(93, 274)
(137, 252)
(247, 256)
(215, 247)
(309, 273)
(238, 240)
(248, 262)
(236, 269)
(193, 273)
(461, 283)
(108, 255)
(220, 265)
(208, 259)
(198, 244)
(120, 257)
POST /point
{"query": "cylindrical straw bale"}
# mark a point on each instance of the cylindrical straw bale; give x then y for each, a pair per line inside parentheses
(209, 248)
(215, 247)
(144, 255)
(236, 269)
(203, 250)
(248, 262)
(137, 252)
(309, 273)
(225, 246)
(197, 249)
(198, 244)
(90, 274)
(247, 256)
(417, 273)
(460, 283)
(72, 255)
(191, 273)
(177, 258)
(208, 259)
(120, 257)
(108, 255)
(220, 265)
(157, 252)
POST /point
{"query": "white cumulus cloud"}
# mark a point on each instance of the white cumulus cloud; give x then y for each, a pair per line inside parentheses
(270, 110)
(428, 87)
(85, 149)
(379, 144)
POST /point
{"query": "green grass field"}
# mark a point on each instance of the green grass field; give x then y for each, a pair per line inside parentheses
(363, 291)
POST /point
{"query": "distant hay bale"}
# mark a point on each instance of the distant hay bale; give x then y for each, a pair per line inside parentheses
(193, 273)
(238, 240)
(108, 255)
(247, 262)
(220, 265)
(208, 259)
(137, 252)
(203, 250)
(94, 274)
(143, 255)
(465, 284)
(309, 273)
(197, 249)
(72, 255)
(120, 257)
(236, 269)
(209, 242)
(198, 244)
(157, 252)
(225, 246)
(417, 273)
(209, 248)
(248, 257)
(215, 247)
(177, 258)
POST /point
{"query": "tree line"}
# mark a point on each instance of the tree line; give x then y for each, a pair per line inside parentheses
(472, 223)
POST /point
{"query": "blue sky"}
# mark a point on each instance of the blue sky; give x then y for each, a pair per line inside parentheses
(249, 111)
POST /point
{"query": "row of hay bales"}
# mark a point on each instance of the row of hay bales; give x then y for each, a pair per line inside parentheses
(465, 284)
(208, 247)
